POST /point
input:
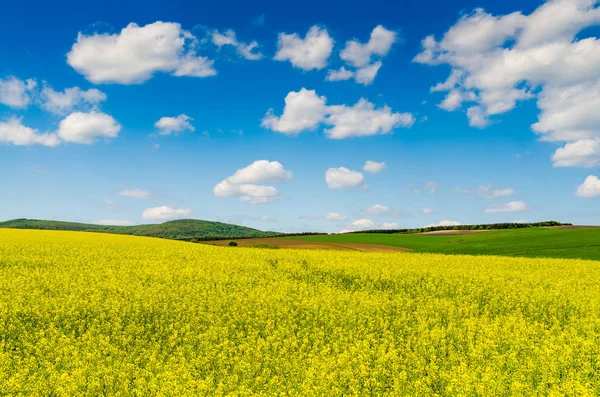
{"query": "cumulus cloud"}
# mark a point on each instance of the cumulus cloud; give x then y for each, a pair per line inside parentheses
(343, 178)
(513, 206)
(87, 128)
(228, 38)
(246, 183)
(363, 119)
(377, 209)
(360, 56)
(589, 188)
(374, 167)
(426, 211)
(335, 216)
(113, 222)
(164, 213)
(136, 193)
(305, 110)
(427, 186)
(444, 223)
(16, 93)
(12, 131)
(583, 153)
(136, 53)
(70, 99)
(309, 53)
(498, 61)
(168, 125)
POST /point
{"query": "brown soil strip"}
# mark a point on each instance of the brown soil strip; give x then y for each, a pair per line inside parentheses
(275, 242)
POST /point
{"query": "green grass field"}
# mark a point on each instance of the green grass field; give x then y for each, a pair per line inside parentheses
(531, 242)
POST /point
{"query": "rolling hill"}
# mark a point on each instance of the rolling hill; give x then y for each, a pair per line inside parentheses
(182, 229)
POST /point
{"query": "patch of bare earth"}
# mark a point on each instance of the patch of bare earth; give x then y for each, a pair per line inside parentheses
(274, 242)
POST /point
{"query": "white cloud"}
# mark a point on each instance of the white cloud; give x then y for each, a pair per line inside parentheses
(12, 131)
(244, 50)
(244, 183)
(261, 171)
(444, 223)
(87, 128)
(136, 193)
(343, 178)
(339, 75)
(498, 61)
(373, 167)
(377, 209)
(135, 54)
(70, 99)
(363, 224)
(304, 110)
(589, 188)
(113, 222)
(335, 216)
(513, 206)
(489, 193)
(309, 53)
(363, 119)
(360, 56)
(477, 117)
(389, 225)
(582, 153)
(266, 218)
(426, 211)
(164, 213)
(16, 93)
(168, 125)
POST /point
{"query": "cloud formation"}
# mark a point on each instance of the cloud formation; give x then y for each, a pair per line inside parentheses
(590, 188)
(308, 53)
(359, 57)
(374, 167)
(305, 110)
(343, 178)
(163, 213)
(169, 125)
(248, 183)
(227, 38)
(136, 53)
(499, 61)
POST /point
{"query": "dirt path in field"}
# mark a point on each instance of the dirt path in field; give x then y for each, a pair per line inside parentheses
(275, 242)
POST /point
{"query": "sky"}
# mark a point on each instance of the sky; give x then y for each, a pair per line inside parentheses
(312, 116)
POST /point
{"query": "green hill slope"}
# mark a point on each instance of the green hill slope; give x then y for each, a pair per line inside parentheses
(181, 229)
(530, 242)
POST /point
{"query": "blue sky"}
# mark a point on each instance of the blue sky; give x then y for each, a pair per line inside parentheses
(103, 121)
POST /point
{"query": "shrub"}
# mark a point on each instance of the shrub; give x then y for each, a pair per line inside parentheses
(232, 244)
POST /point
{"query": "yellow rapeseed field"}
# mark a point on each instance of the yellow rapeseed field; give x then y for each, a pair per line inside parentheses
(98, 314)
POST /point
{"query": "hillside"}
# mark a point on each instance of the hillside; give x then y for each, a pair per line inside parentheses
(583, 243)
(182, 229)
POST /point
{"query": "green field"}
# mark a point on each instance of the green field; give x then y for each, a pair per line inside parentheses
(530, 242)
